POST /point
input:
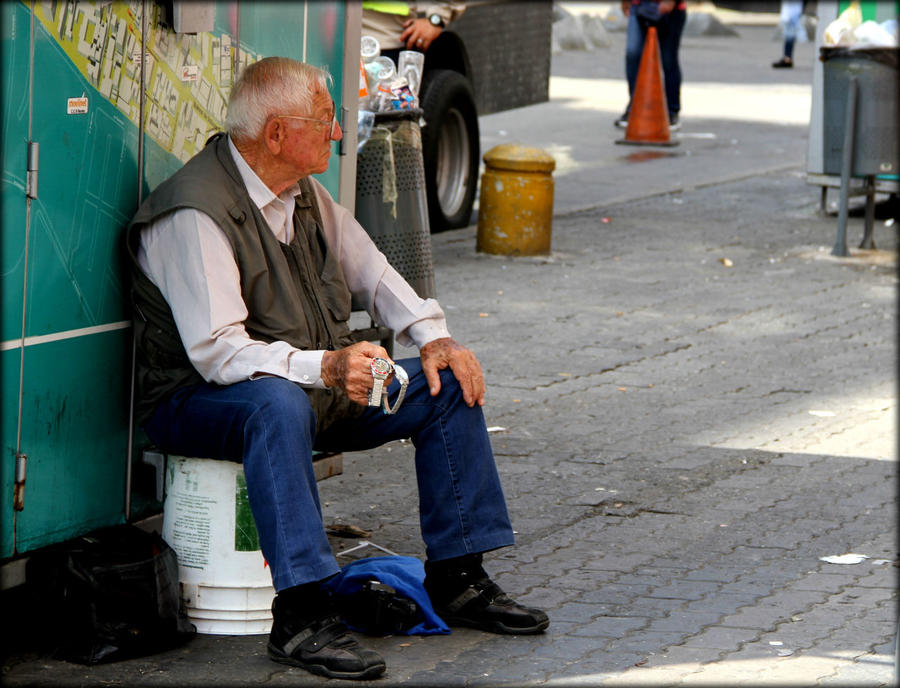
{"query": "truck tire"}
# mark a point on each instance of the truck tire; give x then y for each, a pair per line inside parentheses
(450, 149)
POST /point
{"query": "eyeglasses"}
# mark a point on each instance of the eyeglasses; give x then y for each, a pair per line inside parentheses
(330, 125)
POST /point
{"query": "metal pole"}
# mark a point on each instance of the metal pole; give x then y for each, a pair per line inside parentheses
(840, 245)
(868, 241)
(129, 453)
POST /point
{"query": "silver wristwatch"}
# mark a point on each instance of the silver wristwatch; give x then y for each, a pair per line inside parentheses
(403, 379)
(381, 370)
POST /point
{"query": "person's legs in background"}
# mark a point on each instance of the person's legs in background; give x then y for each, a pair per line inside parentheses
(791, 12)
(635, 32)
(670, 29)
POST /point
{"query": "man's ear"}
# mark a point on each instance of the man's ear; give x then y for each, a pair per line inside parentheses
(274, 134)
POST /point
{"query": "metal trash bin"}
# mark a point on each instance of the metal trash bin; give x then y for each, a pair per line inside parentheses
(390, 196)
(860, 132)
(876, 146)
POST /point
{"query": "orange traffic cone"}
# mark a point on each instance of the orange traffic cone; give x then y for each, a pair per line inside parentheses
(648, 119)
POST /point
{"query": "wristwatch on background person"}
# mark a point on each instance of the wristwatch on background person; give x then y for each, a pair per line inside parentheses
(436, 20)
(381, 369)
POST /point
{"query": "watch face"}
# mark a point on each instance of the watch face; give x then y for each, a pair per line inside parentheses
(381, 366)
(435, 19)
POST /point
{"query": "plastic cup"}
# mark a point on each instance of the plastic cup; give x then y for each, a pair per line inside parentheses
(369, 48)
(411, 64)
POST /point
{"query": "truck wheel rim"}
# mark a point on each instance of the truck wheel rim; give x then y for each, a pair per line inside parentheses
(452, 169)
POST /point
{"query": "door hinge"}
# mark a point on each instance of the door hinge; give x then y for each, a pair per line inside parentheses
(31, 181)
(19, 493)
(342, 149)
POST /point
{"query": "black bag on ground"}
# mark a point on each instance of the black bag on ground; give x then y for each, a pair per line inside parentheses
(109, 595)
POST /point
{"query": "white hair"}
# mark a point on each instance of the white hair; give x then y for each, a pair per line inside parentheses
(272, 86)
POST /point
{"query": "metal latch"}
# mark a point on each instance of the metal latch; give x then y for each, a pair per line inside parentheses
(19, 493)
(342, 149)
(31, 181)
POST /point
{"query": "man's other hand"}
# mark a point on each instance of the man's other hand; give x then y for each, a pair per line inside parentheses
(445, 352)
(350, 369)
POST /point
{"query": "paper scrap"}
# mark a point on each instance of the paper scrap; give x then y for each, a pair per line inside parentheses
(849, 558)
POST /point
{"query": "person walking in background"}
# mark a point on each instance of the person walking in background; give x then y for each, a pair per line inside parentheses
(668, 16)
(791, 11)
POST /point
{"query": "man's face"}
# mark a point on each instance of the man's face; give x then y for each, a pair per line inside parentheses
(309, 136)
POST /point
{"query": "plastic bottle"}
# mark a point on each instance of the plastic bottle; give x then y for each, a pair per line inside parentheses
(386, 73)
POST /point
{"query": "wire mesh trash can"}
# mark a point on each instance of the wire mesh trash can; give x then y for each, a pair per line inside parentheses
(876, 146)
(390, 196)
(860, 131)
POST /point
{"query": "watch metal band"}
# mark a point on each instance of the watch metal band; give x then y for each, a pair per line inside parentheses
(403, 379)
(381, 369)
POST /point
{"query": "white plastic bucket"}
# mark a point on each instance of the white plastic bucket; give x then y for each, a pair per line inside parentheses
(225, 581)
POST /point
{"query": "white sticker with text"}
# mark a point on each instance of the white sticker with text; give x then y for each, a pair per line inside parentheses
(77, 106)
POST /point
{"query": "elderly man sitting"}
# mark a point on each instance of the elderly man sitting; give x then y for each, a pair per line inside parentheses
(243, 273)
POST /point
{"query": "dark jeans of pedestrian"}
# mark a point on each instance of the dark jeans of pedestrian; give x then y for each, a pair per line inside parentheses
(668, 30)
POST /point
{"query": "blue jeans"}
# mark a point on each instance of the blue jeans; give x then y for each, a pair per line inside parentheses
(668, 30)
(269, 426)
(791, 13)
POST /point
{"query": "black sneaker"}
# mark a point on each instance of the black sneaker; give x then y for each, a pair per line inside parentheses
(462, 594)
(783, 63)
(622, 122)
(319, 642)
(674, 123)
(483, 605)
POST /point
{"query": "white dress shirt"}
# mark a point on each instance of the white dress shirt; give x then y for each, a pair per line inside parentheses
(187, 256)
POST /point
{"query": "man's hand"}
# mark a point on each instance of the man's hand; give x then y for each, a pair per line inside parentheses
(626, 7)
(666, 6)
(350, 369)
(418, 34)
(445, 352)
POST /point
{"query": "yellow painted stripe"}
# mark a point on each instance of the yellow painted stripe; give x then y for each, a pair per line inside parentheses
(386, 6)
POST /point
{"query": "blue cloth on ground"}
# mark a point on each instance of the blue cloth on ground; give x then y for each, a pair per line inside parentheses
(405, 574)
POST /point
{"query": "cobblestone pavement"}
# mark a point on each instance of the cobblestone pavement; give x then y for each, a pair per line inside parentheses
(692, 404)
(680, 441)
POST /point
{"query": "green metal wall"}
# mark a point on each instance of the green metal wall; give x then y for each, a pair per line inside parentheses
(75, 364)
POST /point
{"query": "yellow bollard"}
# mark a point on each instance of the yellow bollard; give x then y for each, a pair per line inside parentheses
(515, 212)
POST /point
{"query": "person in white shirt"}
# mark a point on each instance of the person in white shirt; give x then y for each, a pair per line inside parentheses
(244, 269)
